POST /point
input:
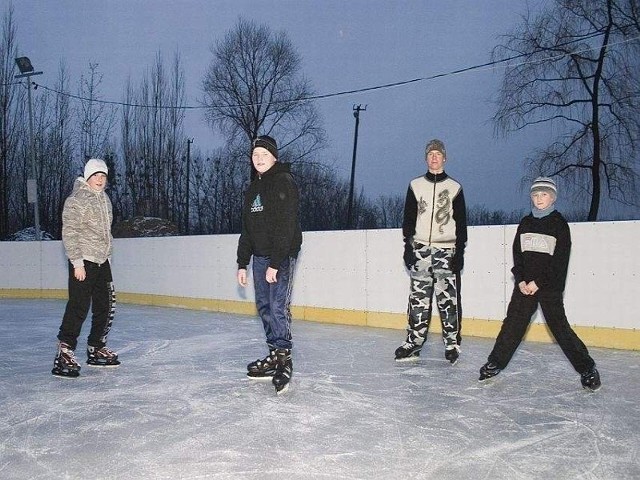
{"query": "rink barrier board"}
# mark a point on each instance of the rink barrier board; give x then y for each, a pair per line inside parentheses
(605, 337)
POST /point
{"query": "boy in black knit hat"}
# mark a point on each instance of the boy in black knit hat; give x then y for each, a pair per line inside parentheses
(541, 251)
(271, 238)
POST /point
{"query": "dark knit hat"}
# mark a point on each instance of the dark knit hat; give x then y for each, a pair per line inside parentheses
(265, 141)
(545, 184)
(438, 145)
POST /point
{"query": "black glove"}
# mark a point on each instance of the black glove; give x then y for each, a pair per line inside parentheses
(457, 261)
(409, 256)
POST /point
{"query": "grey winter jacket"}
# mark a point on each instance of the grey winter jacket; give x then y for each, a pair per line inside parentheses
(86, 225)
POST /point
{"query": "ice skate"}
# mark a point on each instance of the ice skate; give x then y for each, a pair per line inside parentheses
(101, 357)
(452, 354)
(284, 370)
(408, 352)
(263, 369)
(488, 370)
(591, 379)
(65, 363)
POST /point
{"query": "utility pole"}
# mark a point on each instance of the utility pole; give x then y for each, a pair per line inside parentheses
(189, 142)
(356, 114)
(26, 71)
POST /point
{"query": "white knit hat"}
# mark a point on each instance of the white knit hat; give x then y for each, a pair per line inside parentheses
(93, 166)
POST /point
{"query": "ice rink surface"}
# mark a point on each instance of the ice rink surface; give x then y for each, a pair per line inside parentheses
(180, 406)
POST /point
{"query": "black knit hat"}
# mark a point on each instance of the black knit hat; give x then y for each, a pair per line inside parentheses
(265, 141)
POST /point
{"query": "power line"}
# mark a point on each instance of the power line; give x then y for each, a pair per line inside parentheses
(482, 66)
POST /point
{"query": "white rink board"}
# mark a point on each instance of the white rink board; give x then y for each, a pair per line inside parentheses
(358, 270)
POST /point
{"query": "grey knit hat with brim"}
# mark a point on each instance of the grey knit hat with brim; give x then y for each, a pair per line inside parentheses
(545, 184)
(436, 144)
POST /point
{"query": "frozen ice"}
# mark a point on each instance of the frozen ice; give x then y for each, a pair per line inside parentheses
(181, 407)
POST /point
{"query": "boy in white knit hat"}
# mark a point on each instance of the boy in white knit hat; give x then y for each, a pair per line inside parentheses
(541, 250)
(86, 235)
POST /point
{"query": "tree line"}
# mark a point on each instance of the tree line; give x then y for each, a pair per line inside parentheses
(575, 64)
(153, 171)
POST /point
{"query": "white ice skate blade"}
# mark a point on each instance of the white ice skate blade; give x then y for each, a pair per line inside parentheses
(260, 379)
(414, 358)
(285, 389)
(93, 365)
(487, 381)
(59, 375)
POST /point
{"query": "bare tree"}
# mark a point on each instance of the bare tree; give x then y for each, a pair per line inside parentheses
(391, 210)
(153, 142)
(577, 68)
(254, 87)
(96, 119)
(55, 151)
(10, 123)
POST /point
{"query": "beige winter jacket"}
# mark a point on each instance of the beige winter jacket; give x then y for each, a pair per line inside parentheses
(86, 225)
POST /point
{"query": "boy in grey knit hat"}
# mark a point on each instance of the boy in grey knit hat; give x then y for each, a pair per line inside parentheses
(541, 250)
(435, 236)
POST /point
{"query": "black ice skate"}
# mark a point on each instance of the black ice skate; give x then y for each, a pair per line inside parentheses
(263, 369)
(452, 354)
(591, 379)
(284, 370)
(65, 363)
(488, 370)
(408, 352)
(101, 357)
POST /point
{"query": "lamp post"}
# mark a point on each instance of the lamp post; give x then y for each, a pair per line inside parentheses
(356, 114)
(189, 142)
(26, 71)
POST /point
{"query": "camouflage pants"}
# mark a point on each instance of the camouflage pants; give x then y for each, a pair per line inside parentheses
(432, 274)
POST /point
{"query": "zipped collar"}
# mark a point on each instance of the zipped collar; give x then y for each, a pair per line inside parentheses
(436, 177)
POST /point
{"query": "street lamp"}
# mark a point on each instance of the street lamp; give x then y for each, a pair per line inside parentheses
(189, 142)
(356, 114)
(26, 71)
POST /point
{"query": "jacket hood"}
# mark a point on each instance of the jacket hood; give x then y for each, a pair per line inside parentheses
(81, 184)
(278, 167)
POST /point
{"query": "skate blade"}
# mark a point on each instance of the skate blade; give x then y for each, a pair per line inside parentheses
(415, 358)
(452, 363)
(65, 375)
(104, 365)
(260, 379)
(487, 381)
(592, 390)
(283, 390)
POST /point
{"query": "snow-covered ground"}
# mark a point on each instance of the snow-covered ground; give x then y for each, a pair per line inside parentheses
(180, 406)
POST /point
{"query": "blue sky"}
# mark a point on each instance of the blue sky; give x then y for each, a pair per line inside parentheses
(345, 45)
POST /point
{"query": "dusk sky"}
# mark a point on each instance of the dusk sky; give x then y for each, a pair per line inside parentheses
(345, 45)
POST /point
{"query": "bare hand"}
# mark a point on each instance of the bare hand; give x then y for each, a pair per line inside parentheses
(271, 275)
(528, 288)
(242, 277)
(80, 273)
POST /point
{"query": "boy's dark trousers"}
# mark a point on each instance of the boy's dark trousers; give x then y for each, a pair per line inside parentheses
(94, 291)
(273, 300)
(519, 313)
